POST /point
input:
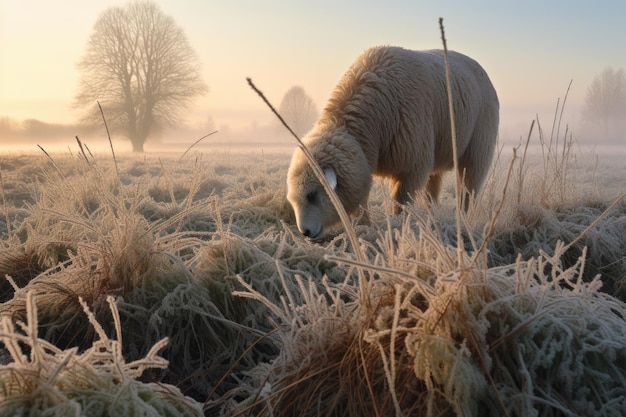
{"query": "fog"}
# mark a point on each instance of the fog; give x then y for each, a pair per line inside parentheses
(280, 45)
(260, 129)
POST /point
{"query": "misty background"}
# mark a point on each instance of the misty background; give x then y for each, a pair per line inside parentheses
(532, 52)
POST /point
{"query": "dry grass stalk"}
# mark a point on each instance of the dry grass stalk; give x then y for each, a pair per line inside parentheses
(319, 173)
(455, 156)
(45, 380)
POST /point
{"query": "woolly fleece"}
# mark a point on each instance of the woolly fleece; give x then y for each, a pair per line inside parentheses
(389, 117)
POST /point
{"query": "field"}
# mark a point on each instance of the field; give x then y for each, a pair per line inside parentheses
(171, 284)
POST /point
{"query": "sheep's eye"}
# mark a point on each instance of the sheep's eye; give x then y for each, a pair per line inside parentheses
(311, 197)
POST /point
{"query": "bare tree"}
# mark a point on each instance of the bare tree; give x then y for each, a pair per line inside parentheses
(299, 110)
(141, 68)
(605, 102)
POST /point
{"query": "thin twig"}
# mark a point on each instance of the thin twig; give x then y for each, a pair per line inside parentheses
(520, 185)
(195, 143)
(5, 205)
(593, 223)
(109, 136)
(460, 250)
(556, 112)
(490, 228)
(317, 170)
(455, 157)
(558, 128)
(82, 149)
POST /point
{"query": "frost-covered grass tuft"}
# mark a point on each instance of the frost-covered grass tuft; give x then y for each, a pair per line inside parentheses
(512, 340)
(39, 379)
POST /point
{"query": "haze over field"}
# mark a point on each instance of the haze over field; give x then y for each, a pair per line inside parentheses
(180, 281)
(531, 50)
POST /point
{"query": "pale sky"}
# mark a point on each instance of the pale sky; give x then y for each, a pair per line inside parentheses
(531, 50)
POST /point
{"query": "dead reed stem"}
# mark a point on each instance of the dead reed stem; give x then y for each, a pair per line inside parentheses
(520, 179)
(195, 143)
(319, 173)
(5, 205)
(109, 136)
(494, 218)
(596, 221)
(455, 157)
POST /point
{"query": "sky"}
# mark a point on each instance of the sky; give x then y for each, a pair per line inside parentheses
(531, 49)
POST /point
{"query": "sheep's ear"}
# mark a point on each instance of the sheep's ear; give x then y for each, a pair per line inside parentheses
(331, 177)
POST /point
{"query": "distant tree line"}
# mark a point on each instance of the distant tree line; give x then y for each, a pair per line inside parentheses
(14, 131)
(604, 110)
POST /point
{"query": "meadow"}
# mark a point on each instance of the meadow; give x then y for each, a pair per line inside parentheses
(171, 284)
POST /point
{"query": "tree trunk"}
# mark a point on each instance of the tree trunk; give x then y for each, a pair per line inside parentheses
(137, 143)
